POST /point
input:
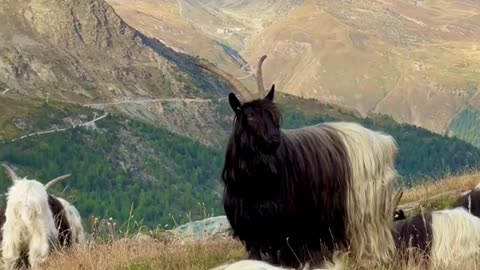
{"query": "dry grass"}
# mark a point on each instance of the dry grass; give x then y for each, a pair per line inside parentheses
(152, 254)
(149, 254)
(437, 194)
(429, 188)
(172, 253)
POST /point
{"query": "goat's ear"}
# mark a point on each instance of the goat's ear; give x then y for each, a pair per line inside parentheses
(271, 93)
(234, 103)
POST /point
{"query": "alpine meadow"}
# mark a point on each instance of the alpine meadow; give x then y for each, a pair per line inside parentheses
(113, 93)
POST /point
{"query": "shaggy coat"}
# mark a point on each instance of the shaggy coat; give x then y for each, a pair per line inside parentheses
(299, 194)
(272, 198)
(29, 224)
(450, 237)
(61, 221)
(75, 221)
(413, 235)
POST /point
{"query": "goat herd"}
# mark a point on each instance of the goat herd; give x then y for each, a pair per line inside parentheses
(292, 197)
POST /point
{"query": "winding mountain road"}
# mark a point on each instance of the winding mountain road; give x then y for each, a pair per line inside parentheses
(84, 124)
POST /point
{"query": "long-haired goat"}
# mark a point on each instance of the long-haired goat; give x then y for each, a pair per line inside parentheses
(308, 190)
(446, 238)
(34, 222)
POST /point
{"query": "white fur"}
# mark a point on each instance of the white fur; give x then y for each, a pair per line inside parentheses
(372, 156)
(260, 265)
(456, 238)
(75, 220)
(29, 224)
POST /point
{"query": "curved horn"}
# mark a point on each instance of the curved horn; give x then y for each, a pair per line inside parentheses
(239, 88)
(477, 187)
(11, 173)
(397, 198)
(260, 85)
(55, 181)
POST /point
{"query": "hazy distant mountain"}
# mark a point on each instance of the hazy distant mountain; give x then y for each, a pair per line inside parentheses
(418, 61)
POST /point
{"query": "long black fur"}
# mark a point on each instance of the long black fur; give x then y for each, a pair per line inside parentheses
(61, 222)
(285, 191)
(413, 236)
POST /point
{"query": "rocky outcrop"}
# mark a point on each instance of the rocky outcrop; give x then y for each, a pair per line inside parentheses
(204, 229)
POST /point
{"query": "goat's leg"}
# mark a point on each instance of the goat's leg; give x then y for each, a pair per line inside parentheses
(39, 250)
(10, 246)
(10, 255)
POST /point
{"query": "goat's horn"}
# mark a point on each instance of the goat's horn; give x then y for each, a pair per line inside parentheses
(477, 187)
(236, 84)
(260, 85)
(397, 198)
(55, 181)
(11, 173)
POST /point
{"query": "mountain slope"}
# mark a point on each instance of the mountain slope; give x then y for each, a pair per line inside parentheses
(417, 61)
(80, 51)
(160, 19)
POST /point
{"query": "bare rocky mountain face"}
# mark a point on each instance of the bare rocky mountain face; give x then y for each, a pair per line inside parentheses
(81, 51)
(418, 61)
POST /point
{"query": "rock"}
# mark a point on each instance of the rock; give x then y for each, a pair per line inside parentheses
(203, 229)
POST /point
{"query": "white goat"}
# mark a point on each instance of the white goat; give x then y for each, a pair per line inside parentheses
(29, 222)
